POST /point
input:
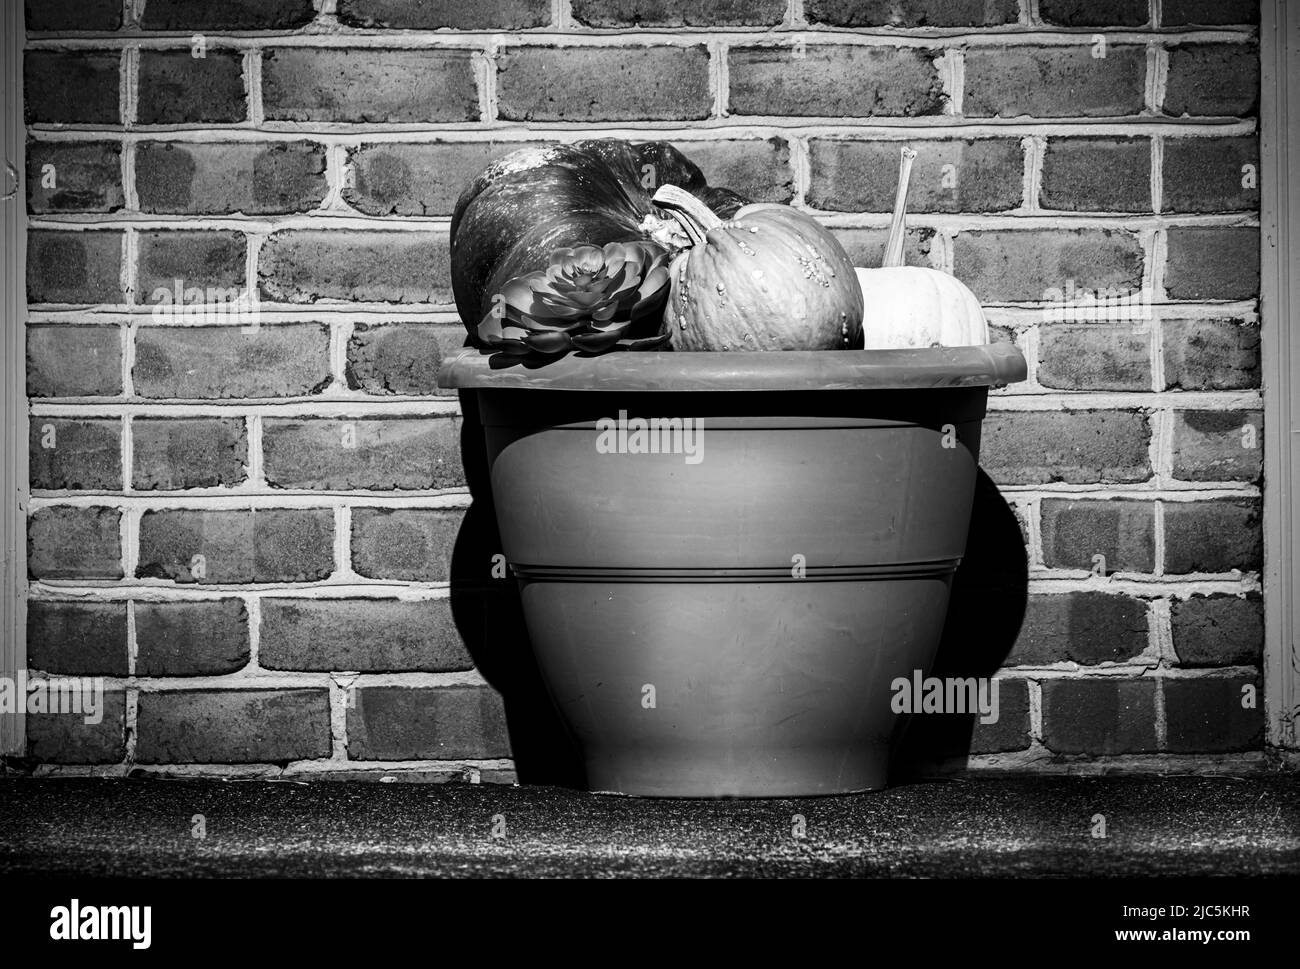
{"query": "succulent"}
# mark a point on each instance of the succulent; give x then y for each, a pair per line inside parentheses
(587, 299)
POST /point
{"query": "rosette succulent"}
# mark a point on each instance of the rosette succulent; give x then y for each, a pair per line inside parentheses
(588, 298)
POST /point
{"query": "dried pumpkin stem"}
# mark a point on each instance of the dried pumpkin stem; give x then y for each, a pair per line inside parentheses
(898, 225)
(695, 217)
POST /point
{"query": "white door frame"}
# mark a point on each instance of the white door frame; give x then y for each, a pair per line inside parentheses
(1280, 347)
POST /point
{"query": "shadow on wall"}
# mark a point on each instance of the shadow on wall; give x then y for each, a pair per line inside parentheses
(986, 608)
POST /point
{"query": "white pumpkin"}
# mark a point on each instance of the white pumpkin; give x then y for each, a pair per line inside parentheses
(911, 306)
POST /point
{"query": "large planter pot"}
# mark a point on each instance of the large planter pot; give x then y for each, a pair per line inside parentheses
(729, 621)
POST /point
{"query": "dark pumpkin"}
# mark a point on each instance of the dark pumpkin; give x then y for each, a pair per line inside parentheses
(523, 207)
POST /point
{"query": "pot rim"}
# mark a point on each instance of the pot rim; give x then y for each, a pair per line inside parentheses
(990, 365)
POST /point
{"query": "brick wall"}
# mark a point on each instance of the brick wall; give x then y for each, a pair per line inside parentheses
(247, 527)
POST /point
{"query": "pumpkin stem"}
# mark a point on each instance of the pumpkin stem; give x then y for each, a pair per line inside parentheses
(695, 217)
(897, 226)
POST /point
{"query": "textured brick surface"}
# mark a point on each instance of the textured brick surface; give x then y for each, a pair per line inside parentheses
(374, 454)
(1097, 175)
(190, 15)
(911, 13)
(73, 361)
(64, 15)
(1076, 447)
(74, 267)
(301, 84)
(433, 14)
(366, 635)
(400, 358)
(213, 179)
(74, 455)
(1211, 174)
(66, 738)
(1213, 79)
(1218, 445)
(1122, 531)
(77, 638)
(866, 247)
(1212, 263)
(71, 87)
(302, 266)
(1213, 536)
(1023, 265)
(757, 169)
(74, 177)
(177, 453)
(1179, 13)
(1104, 716)
(1095, 356)
(232, 726)
(1094, 13)
(826, 80)
(1055, 82)
(1011, 730)
(442, 723)
(1209, 714)
(211, 260)
(603, 84)
(74, 543)
(969, 175)
(678, 13)
(1219, 630)
(264, 545)
(178, 88)
(1080, 627)
(413, 544)
(227, 362)
(207, 638)
(424, 179)
(1211, 354)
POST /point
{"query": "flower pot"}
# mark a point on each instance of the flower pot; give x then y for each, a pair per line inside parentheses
(728, 620)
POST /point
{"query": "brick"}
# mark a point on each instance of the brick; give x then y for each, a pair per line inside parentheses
(1094, 356)
(1211, 354)
(1218, 630)
(208, 638)
(440, 723)
(369, 85)
(1206, 714)
(1213, 536)
(71, 87)
(1209, 174)
(66, 738)
(1181, 13)
(757, 169)
(195, 15)
(80, 176)
(177, 88)
(73, 15)
(1212, 263)
(305, 265)
(73, 361)
(1028, 265)
(261, 545)
(1087, 628)
(74, 267)
(911, 13)
(232, 726)
(1217, 445)
(1075, 447)
(1097, 175)
(371, 454)
(862, 176)
(391, 178)
(227, 363)
(866, 247)
(75, 455)
(1055, 82)
(200, 452)
(1213, 80)
(604, 84)
(1011, 730)
(1122, 531)
(829, 80)
(77, 638)
(209, 260)
(400, 358)
(679, 13)
(1094, 13)
(74, 543)
(217, 179)
(1100, 716)
(411, 544)
(452, 14)
(366, 635)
